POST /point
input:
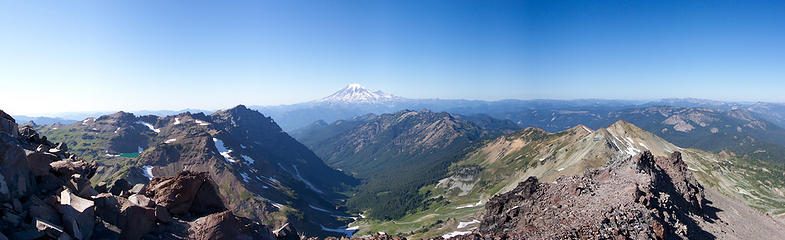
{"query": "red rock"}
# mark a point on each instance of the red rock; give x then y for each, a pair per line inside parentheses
(188, 192)
(225, 225)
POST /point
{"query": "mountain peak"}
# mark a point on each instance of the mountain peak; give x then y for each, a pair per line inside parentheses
(356, 93)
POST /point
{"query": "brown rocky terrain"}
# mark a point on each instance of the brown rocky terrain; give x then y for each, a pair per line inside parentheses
(45, 193)
(641, 197)
(259, 170)
(635, 197)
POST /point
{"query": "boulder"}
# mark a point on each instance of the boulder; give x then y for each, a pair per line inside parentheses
(42, 148)
(119, 186)
(286, 232)
(50, 229)
(225, 225)
(137, 188)
(8, 124)
(62, 147)
(16, 172)
(39, 162)
(68, 167)
(41, 210)
(78, 214)
(141, 200)
(187, 192)
(29, 134)
(136, 221)
(109, 207)
(81, 186)
(162, 214)
(101, 187)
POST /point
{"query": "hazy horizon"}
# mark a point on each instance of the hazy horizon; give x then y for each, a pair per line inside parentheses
(107, 56)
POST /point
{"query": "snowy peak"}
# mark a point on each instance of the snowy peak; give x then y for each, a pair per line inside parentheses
(356, 93)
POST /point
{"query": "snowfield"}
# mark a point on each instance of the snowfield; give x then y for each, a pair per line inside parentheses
(224, 151)
(147, 171)
(150, 126)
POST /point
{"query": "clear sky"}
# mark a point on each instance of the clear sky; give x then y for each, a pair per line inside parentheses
(58, 56)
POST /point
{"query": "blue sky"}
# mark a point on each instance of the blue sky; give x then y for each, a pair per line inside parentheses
(58, 56)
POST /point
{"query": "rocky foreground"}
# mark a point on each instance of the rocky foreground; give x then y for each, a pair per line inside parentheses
(45, 193)
(641, 197)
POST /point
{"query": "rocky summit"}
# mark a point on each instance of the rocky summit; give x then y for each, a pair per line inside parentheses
(45, 193)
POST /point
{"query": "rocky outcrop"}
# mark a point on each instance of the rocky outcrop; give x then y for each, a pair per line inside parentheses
(187, 193)
(225, 225)
(45, 193)
(640, 197)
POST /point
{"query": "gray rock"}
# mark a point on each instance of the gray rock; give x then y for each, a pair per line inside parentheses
(81, 186)
(78, 214)
(39, 162)
(16, 171)
(141, 200)
(8, 125)
(137, 188)
(49, 229)
(42, 210)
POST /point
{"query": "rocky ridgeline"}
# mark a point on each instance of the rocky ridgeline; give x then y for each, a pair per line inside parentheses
(45, 193)
(642, 197)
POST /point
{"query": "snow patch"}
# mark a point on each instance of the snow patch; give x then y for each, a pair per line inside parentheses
(470, 205)
(201, 123)
(116, 130)
(455, 234)
(560, 169)
(224, 151)
(140, 149)
(176, 121)
(464, 224)
(318, 208)
(587, 129)
(277, 205)
(346, 230)
(112, 155)
(150, 126)
(147, 171)
(246, 179)
(248, 159)
(297, 175)
(171, 140)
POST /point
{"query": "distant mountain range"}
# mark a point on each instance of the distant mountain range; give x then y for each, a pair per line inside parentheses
(355, 100)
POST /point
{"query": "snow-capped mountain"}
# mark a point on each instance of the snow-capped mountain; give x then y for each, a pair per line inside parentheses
(356, 93)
